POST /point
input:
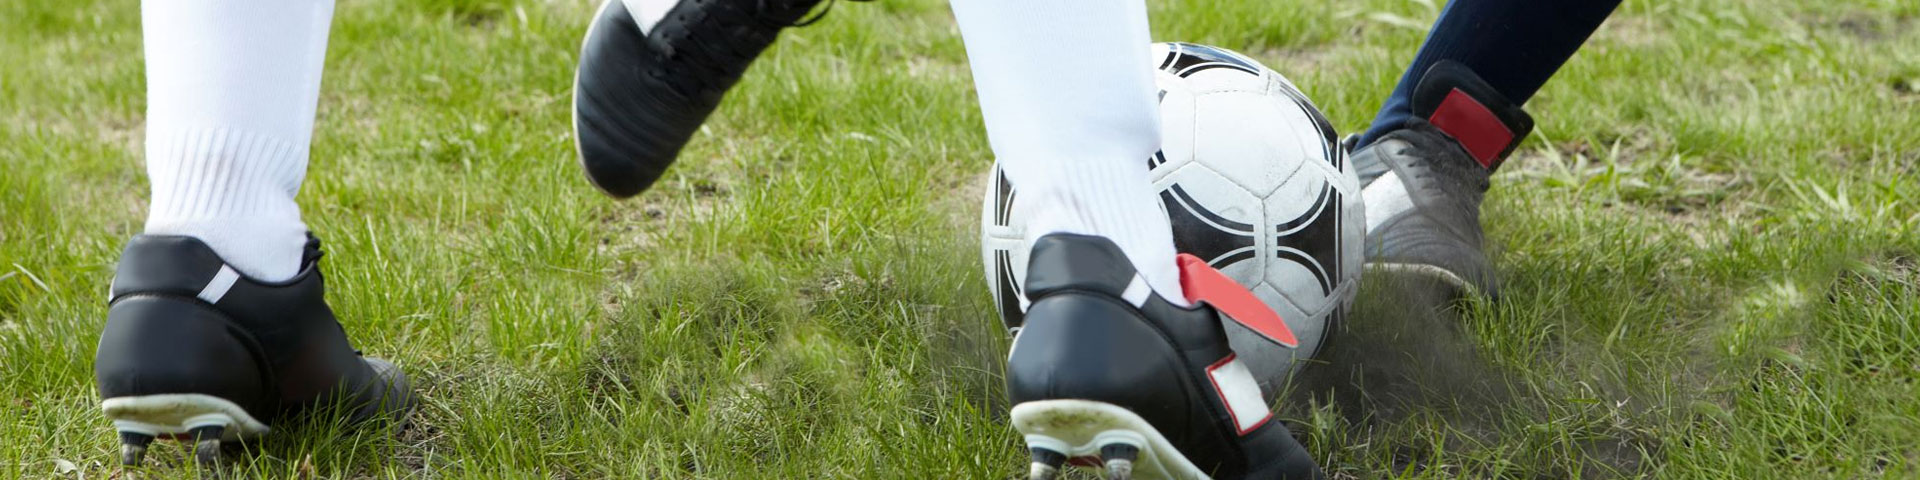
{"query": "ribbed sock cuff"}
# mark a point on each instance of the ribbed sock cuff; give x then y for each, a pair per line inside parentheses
(232, 189)
(1116, 203)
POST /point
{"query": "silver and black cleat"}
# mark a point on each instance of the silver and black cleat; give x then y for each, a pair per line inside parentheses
(1106, 369)
(1118, 458)
(133, 447)
(194, 350)
(1046, 463)
(206, 446)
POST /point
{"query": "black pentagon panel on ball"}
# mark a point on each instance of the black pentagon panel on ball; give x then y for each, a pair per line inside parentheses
(1313, 239)
(1185, 59)
(1203, 233)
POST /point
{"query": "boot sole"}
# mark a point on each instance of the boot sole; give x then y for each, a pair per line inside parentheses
(1460, 286)
(1080, 429)
(175, 414)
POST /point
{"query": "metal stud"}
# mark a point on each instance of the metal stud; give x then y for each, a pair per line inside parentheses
(1119, 458)
(133, 447)
(1046, 463)
(206, 445)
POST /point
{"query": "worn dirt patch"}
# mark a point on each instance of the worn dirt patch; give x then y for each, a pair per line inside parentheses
(1398, 365)
(1630, 31)
(1863, 26)
(1639, 178)
(639, 223)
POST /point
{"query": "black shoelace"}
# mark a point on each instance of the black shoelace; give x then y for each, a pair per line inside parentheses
(735, 33)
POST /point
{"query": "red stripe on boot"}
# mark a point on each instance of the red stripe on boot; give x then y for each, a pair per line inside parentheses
(1474, 126)
(1204, 284)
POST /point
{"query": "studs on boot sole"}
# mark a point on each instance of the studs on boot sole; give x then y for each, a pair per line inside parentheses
(133, 447)
(206, 445)
(1117, 450)
(1046, 463)
(1118, 458)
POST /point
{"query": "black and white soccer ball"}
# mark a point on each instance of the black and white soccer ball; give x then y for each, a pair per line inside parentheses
(1255, 183)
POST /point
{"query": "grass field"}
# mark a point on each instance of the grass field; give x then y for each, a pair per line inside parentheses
(1710, 252)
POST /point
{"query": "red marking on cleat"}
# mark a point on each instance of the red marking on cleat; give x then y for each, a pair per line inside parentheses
(1474, 126)
(1204, 284)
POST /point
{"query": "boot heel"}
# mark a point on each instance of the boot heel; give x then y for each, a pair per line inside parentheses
(169, 367)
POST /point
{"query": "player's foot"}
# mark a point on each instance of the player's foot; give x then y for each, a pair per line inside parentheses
(1108, 373)
(193, 350)
(1423, 183)
(652, 70)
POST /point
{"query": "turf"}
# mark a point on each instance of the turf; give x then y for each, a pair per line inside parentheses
(1709, 250)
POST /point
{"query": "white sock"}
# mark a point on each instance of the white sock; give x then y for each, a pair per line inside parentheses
(231, 91)
(1066, 87)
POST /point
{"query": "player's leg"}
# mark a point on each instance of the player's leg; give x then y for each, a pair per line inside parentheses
(1110, 363)
(217, 323)
(1515, 46)
(652, 70)
(1454, 116)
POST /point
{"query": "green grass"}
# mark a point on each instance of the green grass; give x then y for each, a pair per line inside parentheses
(1710, 252)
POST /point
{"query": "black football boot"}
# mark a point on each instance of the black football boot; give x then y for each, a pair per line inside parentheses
(1107, 372)
(648, 79)
(1423, 182)
(195, 350)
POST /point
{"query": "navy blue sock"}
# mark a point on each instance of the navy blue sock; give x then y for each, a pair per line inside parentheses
(1515, 45)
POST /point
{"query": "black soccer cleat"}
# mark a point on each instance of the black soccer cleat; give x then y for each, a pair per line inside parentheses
(1424, 182)
(1107, 373)
(194, 350)
(648, 79)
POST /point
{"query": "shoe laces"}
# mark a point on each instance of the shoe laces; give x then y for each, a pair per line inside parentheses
(732, 33)
(1430, 156)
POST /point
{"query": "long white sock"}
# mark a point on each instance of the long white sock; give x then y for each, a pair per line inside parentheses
(1066, 87)
(231, 91)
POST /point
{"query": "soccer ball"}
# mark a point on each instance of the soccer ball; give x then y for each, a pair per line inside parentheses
(1254, 182)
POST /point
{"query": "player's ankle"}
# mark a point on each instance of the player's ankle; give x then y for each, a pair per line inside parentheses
(265, 249)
